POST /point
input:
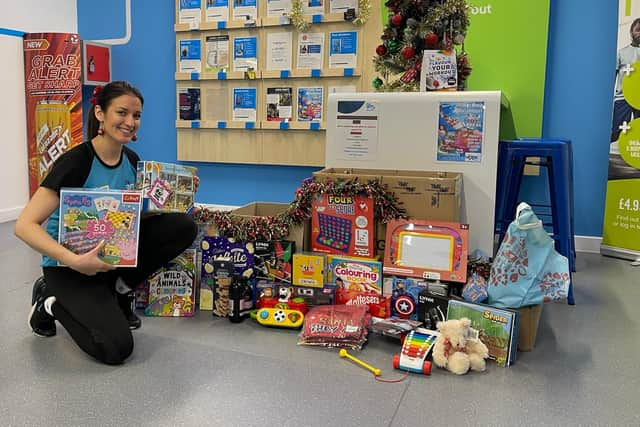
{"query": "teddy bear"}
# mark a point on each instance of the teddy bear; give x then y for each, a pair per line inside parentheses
(456, 349)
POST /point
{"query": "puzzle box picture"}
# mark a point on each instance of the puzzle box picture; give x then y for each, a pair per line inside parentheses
(88, 217)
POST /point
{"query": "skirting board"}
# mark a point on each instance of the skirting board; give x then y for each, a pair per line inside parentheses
(10, 214)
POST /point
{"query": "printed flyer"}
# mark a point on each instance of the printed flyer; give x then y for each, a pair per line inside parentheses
(343, 48)
(310, 103)
(190, 61)
(341, 6)
(279, 104)
(621, 227)
(217, 11)
(245, 53)
(217, 51)
(278, 7)
(244, 104)
(310, 50)
(460, 132)
(245, 10)
(312, 7)
(189, 12)
(279, 47)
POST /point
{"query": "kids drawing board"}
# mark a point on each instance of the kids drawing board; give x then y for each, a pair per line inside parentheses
(406, 138)
(88, 217)
(433, 250)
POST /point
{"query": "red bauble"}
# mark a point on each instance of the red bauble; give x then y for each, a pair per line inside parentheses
(407, 52)
(381, 50)
(396, 19)
(431, 39)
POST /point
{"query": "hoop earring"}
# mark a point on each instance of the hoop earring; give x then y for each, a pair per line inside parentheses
(100, 130)
(134, 137)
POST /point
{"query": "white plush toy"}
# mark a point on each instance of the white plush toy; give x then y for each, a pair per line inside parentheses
(457, 349)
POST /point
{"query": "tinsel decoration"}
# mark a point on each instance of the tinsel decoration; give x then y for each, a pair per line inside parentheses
(297, 17)
(251, 228)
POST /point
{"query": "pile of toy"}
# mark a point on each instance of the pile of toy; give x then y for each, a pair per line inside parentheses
(423, 288)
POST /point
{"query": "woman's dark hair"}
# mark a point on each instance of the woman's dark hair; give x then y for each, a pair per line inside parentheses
(103, 98)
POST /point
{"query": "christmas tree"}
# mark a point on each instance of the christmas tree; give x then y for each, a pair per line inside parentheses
(413, 26)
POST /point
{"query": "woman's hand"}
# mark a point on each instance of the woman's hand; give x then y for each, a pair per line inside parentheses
(196, 183)
(89, 263)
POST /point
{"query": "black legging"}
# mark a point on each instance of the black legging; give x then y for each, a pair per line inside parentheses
(87, 306)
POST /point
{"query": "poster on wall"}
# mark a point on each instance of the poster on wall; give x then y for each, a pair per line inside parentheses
(460, 132)
(53, 92)
(621, 227)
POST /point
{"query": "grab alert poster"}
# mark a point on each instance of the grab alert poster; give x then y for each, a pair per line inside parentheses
(53, 92)
(621, 228)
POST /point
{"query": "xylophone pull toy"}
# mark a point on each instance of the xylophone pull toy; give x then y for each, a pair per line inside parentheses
(343, 353)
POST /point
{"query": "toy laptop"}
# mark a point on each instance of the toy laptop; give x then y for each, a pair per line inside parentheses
(172, 289)
(167, 187)
(342, 225)
(497, 327)
(88, 217)
(433, 250)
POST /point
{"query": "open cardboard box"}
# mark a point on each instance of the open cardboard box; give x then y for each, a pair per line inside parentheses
(424, 195)
(298, 233)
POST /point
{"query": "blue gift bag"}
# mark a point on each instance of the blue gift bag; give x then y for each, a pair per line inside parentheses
(527, 270)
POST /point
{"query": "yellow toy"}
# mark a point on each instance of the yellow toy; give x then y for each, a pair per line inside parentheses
(343, 353)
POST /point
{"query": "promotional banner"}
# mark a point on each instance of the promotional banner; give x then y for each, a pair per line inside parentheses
(621, 228)
(53, 88)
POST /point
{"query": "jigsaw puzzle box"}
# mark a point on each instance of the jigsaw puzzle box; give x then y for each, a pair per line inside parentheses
(88, 217)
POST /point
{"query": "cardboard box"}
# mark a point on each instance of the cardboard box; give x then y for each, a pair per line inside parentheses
(424, 195)
(298, 233)
(167, 187)
(529, 320)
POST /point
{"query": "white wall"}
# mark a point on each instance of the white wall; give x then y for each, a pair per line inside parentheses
(27, 16)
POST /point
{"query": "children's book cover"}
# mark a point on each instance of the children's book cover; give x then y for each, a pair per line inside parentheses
(167, 187)
(355, 274)
(88, 217)
(172, 287)
(497, 327)
(342, 225)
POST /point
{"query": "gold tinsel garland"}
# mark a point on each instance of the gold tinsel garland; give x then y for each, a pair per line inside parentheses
(301, 24)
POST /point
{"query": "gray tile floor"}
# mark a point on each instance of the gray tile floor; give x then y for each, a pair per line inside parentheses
(205, 371)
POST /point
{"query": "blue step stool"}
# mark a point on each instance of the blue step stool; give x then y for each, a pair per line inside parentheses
(556, 155)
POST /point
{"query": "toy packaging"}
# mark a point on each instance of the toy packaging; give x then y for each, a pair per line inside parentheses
(394, 327)
(434, 250)
(172, 287)
(315, 296)
(343, 225)
(273, 260)
(404, 293)
(308, 269)
(216, 248)
(379, 305)
(355, 274)
(432, 308)
(336, 326)
(88, 217)
(167, 187)
(497, 327)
